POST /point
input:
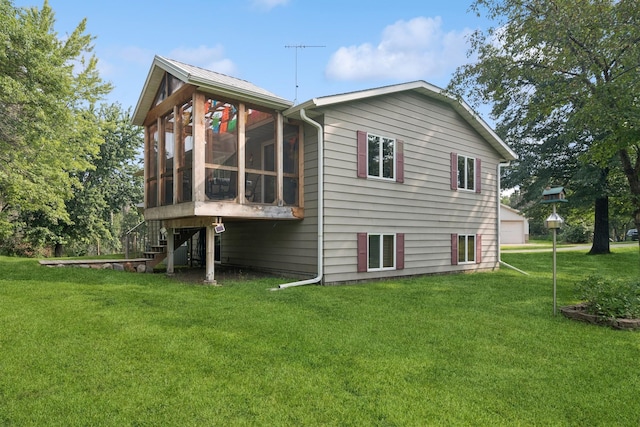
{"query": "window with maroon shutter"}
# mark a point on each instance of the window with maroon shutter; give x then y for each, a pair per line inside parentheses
(454, 171)
(362, 154)
(379, 157)
(400, 251)
(362, 252)
(478, 176)
(466, 248)
(466, 173)
(454, 249)
(399, 161)
(378, 252)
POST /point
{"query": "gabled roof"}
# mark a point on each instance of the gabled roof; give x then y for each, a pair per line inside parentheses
(205, 80)
(423, 88)
(242, 90)
(513, 210)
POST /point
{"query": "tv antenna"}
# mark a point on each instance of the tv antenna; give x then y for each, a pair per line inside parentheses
(296, 47)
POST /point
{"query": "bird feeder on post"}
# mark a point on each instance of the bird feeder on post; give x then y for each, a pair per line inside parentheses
(554, 222)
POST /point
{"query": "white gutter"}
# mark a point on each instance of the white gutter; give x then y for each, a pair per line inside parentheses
(318, 278)
(500, 166)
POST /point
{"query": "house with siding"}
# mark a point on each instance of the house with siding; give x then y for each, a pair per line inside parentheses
(393, 181)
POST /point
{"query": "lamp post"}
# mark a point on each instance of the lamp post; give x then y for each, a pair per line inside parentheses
(554, 222)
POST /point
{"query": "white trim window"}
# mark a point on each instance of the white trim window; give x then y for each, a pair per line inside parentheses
(381, 157)
(381, 252)
(466, 173)
(466, 248)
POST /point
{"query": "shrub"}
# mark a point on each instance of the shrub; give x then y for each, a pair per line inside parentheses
(610, 298)
(575, 234)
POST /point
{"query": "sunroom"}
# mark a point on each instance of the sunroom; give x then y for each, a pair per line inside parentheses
(216, 149)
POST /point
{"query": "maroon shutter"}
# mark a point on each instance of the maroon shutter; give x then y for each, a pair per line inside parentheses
(478, 248)
(454, 171)
(400, 251)
(362, 154)
(478, 176)
(362, 252)
(399, 161)
(454, 249)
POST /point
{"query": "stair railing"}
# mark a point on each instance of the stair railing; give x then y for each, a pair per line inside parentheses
(135, 241)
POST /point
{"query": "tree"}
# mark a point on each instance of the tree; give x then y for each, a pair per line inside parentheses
(47, 133)
(106, 192)
(563, 77)
(111, 186)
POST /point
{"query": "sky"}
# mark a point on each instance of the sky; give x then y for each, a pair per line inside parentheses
(342, 46)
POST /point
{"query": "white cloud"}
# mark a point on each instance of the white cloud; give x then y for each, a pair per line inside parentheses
(268, 4)
(210, 58)
(415, 49)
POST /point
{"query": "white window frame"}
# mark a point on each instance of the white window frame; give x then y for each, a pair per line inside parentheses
(381, 252)
(463, 176)
(379, 173)
(464, 238)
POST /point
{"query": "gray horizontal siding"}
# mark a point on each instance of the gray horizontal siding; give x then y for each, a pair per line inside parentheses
(282, 246)
(424, 207)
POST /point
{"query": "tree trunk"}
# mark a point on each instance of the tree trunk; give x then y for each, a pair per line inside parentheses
(58, 250)
(601, 228)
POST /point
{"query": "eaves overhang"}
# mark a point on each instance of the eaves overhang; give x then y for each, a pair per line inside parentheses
(422, 87)
(206, 81)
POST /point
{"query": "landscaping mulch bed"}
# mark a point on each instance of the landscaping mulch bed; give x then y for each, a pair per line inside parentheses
(578, 312)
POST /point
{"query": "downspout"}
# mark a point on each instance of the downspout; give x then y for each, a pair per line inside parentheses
(500, 166)
(318, 278)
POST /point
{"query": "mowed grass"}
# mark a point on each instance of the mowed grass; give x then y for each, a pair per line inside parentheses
(88, 347)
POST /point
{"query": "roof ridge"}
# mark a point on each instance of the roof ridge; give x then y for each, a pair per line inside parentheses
(204, 69)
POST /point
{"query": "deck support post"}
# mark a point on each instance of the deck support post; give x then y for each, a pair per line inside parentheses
(210, 256)
(170, 250)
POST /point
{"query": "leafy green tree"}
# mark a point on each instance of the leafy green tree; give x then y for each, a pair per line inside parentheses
(106, 191)
(47, 133)
(563, 79)
(111, 186)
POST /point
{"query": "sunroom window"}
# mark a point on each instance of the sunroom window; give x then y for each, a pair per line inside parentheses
(221, 150)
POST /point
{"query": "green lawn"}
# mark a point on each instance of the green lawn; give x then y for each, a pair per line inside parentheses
(89, 347)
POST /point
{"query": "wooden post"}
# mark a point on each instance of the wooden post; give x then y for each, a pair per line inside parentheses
(177, 154)
(279, 159)
(242, 180)
(170, 250)
(159, 162)
(210, 257)
(198, 171)
(147, 150)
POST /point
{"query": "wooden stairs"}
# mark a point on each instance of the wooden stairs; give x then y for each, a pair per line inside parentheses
(156, 253)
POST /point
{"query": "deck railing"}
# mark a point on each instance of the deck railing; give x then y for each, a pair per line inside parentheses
(140, 238)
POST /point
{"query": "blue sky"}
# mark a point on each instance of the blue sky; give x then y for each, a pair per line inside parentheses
(366, 43)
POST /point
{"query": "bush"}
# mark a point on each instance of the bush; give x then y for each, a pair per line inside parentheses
(575, 234)
(610, 298)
